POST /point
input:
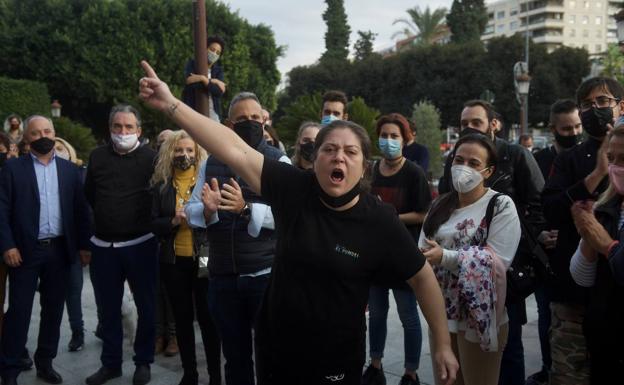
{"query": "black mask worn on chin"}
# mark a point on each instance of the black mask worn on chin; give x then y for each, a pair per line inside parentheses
(340, 201)
(42, 145)
(306, 150)
(595, 121)
(250, 131)
(567, 141)
(183, 162)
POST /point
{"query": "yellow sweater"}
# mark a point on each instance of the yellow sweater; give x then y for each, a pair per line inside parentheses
(183, 181)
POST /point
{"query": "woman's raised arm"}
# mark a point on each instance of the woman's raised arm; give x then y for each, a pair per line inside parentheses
(217, 139)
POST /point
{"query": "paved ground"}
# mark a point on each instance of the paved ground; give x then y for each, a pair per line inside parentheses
(75, 367)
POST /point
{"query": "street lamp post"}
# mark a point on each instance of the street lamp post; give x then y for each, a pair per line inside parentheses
(522, 81)
(55, 109)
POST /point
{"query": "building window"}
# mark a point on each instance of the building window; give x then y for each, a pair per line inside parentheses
(500, 28)
(572, 3)
(572, 19)
(598, 48)
(599, 33)
(598, 20)
(489, 29)
(500, 15)
(572, 32)
(585, 33)
(513, 12)
(585, 20)
(513, 25)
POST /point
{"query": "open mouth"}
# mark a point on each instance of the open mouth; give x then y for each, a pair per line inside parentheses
(337, 175)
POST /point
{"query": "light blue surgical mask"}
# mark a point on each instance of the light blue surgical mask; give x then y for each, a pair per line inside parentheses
(328, 119)
(390, 148)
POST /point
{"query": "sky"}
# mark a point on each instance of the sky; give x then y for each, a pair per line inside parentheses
(299, 25)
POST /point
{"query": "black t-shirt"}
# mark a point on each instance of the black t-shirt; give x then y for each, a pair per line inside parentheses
(325, 261)
(407, 191)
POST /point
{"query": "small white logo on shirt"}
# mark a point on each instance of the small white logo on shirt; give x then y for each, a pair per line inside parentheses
(335, 378)
(343, 250)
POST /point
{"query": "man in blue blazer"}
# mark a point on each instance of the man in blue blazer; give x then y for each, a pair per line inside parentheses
(44, 225)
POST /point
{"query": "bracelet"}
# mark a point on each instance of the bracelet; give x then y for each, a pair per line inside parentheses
(172, 108)
(610, 248)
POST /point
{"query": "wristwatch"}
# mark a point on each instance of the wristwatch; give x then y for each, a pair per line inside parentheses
(246, 211)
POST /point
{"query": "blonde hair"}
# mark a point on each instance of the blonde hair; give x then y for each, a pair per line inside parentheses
(163, 170)
(72, 151)
(610, 192)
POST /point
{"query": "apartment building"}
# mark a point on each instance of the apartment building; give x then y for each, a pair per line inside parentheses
(587, 24)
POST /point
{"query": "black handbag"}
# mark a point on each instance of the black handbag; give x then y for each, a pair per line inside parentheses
(530, 266)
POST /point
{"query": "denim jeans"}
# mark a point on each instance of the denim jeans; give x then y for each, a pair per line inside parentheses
(110, 267)
(74, 298)
(512, 365)
(234, 303)
(408, 313)
(542, 297)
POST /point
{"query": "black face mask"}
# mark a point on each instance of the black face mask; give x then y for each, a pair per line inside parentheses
(306, 150)
(3, 158)
(469, 131)
(595, 121)
(183, 162)
(250, 131)
(567, 141)
(340, 201)
(42, 145)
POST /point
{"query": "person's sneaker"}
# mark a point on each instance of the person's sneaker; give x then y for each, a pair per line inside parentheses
(172, 347)
(142, 375)
(407, 380)
(103, 375)
(159, 347)
(539, 378)
(77, 341)
(373, 376)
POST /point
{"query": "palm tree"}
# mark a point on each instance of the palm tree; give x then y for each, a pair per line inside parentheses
(424, 26)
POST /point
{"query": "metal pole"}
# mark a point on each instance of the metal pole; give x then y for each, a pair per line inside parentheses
(202, 104)
(525, 126)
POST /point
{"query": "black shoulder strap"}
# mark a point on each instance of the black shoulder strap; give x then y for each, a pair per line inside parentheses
(489, 214)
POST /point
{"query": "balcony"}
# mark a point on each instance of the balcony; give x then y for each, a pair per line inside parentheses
(548, 39)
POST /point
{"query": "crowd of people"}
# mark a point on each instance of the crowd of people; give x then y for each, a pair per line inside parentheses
(278, 259)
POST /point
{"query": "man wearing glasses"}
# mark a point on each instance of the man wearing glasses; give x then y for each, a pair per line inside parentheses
(580, 174)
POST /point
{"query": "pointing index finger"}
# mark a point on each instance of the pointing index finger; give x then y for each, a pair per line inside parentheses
(149, 71)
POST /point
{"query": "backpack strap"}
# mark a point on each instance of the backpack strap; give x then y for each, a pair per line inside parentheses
(489, 214)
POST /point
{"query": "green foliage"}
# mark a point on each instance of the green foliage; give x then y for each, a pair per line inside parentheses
(613, 63)
(338, 31)
(23, 97)
(304, 108)
(363, 115)
(448, 75)
(426, 25)
(363, 47)
(426, 117)
(88, 51)
(467, 20)
(79, 136)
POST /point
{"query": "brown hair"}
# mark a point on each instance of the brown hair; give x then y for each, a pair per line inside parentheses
(360, 133)
(399, 120)
(443, 207)
(336, 96)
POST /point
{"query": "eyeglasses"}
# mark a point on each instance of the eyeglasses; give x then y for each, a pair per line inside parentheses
(599, 102)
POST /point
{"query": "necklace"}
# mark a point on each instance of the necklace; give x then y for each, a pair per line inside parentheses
(183, 198)
(392, 166)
